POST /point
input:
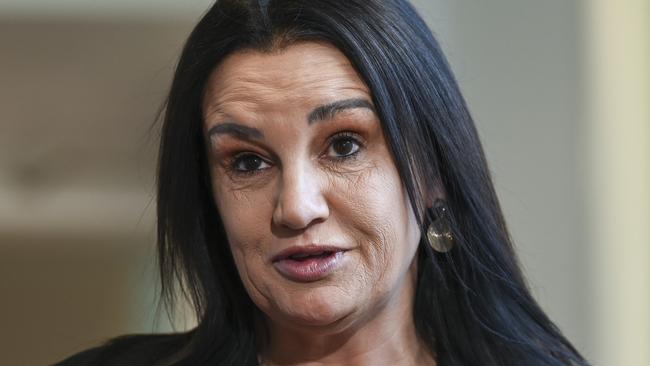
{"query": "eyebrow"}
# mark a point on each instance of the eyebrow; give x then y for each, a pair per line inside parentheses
(328, 111)
(320, 113)
(237, 130)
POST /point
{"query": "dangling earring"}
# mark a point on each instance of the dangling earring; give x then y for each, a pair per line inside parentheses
(438, 233)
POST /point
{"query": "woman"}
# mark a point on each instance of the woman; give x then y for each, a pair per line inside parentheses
(323, 198)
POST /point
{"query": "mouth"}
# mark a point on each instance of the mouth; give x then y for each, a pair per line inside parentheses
(308, 263)
(303, 253)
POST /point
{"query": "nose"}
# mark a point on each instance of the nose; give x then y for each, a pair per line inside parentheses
(300, 200)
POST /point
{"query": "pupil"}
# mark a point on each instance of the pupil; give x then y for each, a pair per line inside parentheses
(252, 163)
(343, 147)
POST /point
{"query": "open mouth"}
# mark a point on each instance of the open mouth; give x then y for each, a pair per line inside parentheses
(300, 257)
(306, 252)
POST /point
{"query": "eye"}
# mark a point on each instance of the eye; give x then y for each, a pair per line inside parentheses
(247, 163)
(344, 145)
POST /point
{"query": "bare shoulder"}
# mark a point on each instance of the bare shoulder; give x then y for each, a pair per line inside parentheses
(136, 349)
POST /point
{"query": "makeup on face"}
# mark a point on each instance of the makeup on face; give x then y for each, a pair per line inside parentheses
(315, 213)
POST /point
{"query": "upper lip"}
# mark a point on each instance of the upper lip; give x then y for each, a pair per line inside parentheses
(305, 249)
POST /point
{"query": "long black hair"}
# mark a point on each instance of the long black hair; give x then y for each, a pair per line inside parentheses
(472, 305)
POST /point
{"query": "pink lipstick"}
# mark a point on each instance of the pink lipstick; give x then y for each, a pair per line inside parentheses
(308, 263)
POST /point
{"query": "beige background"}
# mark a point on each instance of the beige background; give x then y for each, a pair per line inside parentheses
(559, 91)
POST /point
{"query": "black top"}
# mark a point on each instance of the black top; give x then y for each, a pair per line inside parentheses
(130, 350)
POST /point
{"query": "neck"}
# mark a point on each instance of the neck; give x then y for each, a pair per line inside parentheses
(387, 337)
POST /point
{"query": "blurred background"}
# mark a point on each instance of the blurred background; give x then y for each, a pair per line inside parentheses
(560, 91)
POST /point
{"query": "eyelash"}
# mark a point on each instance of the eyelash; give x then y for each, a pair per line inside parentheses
(341, 136)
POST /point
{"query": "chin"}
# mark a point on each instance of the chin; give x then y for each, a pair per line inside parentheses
(318, 308)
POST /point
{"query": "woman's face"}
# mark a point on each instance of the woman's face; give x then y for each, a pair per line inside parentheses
(316, 215)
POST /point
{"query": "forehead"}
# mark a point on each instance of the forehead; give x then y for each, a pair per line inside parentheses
(300, 74)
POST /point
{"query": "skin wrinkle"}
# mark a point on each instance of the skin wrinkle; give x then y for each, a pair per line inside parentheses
(361, 313)
(236, 88)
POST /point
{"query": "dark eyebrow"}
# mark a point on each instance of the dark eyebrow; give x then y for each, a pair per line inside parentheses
(320, 113)
(328, 111)
(237, 130)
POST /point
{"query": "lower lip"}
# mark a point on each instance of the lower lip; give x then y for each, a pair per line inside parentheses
(311, 269)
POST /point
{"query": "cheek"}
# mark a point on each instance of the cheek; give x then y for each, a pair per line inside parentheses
(245, 220)
(243, 212)
(376, 211)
